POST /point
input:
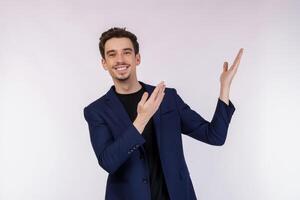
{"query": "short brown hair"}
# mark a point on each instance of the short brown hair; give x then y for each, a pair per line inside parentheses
(117, 33)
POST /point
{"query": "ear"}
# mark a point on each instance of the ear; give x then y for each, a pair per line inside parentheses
(138, 58)
(104, 65)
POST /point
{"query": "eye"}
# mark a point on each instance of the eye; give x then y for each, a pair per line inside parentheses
(128, 52)
(111, 55)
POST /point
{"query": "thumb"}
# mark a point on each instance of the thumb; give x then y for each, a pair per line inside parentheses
(225, 66)
(144, 98)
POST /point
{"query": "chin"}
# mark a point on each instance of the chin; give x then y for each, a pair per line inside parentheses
(122, 78)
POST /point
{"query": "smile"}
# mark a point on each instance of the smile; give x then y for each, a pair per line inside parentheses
(121, 68)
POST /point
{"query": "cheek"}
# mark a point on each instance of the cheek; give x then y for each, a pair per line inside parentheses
(110, 63)
(136, 62)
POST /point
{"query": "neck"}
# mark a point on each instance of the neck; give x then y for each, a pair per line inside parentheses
(124, 87)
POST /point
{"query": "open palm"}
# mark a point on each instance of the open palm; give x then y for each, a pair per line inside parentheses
(228, 74)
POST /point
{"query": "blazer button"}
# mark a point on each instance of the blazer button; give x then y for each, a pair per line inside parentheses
(145, 180)
(130, 151)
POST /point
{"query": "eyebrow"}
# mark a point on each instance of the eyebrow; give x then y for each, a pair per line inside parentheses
(125, 49)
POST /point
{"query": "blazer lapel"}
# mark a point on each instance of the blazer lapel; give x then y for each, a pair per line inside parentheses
(118, 109)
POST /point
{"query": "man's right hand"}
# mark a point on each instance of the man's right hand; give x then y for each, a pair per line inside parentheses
(147, 108)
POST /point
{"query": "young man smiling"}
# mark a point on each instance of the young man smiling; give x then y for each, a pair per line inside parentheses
(135, 128)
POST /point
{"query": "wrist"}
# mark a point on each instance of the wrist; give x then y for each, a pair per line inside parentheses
(224, 94)
(141, 119)
(140, 123)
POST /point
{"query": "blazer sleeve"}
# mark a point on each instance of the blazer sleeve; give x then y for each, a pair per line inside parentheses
(111, 153)
(195, 126)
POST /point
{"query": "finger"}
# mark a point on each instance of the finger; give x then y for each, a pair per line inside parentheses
(159, 99)
(162, 89)
(238, 62)
(238, 57)
(144, 98)
(156, 90)
(235, 67)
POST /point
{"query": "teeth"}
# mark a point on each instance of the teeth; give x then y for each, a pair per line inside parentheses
(121, 68)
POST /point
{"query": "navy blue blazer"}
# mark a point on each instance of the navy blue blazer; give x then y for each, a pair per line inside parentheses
(118, 145)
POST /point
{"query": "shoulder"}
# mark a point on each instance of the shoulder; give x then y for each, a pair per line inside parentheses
(95, 105)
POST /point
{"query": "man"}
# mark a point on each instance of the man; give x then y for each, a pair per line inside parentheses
(135, 128)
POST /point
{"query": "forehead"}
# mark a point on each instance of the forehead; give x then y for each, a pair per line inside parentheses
(118, 44)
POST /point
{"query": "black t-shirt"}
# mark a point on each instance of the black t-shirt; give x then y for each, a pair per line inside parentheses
(157, 182)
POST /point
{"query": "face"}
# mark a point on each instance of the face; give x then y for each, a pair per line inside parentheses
(120, 59)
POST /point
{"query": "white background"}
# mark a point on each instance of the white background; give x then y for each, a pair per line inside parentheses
(50, 69)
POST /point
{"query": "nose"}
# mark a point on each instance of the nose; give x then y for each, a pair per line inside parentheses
(120, 58)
